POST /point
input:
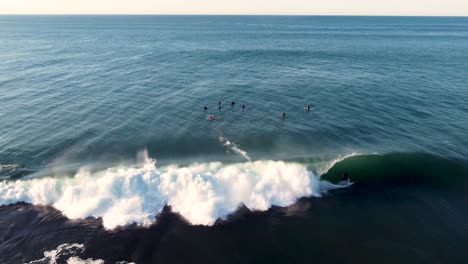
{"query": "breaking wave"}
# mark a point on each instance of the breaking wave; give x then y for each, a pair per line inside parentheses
(201, 193)
(402, 169)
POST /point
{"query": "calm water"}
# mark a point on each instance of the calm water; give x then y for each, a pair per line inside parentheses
(95, 91)
(84, 87)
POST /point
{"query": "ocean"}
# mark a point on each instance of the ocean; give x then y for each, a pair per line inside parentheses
(107, 154)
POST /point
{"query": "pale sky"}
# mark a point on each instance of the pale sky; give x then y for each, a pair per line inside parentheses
(261, 7)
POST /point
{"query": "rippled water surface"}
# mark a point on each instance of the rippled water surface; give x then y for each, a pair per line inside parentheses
(87, 87)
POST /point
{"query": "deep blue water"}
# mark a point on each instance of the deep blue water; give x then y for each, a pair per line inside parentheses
(82, 96)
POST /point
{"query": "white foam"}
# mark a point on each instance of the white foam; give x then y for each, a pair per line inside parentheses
(77, 260)
(234, 148)
(67, 251)
(201, 193)
(8, 166)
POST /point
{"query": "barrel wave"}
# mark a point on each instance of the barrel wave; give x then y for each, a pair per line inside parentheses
(206, 192)
(403, 169)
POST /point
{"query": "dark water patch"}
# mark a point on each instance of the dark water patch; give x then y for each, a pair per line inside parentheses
(28, 231)
(389, 226)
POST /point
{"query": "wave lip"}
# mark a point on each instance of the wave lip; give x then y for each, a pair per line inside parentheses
(201, 193)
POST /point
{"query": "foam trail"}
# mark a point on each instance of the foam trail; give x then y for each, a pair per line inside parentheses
(201, 193)
(233, 147)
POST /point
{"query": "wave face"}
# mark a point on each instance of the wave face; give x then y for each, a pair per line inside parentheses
(402, 169)
(201, 193)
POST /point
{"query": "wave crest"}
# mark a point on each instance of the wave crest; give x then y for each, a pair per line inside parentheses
(201, 193)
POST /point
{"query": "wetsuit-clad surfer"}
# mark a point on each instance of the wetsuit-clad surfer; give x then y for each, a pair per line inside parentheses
(345, 176)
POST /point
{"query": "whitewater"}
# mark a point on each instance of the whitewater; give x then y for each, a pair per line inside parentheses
(201, 193)
(69, 253)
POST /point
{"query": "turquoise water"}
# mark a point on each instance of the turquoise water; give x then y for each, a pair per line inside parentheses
(88, 103)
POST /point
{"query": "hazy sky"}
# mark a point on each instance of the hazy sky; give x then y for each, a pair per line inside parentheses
(291, 7)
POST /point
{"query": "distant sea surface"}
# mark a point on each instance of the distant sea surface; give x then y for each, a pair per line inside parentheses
(107, 153)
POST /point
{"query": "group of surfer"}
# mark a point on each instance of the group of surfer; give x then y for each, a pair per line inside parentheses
(212, 118)
(232, 105)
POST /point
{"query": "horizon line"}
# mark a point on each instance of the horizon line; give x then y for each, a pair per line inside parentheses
(200, 14)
